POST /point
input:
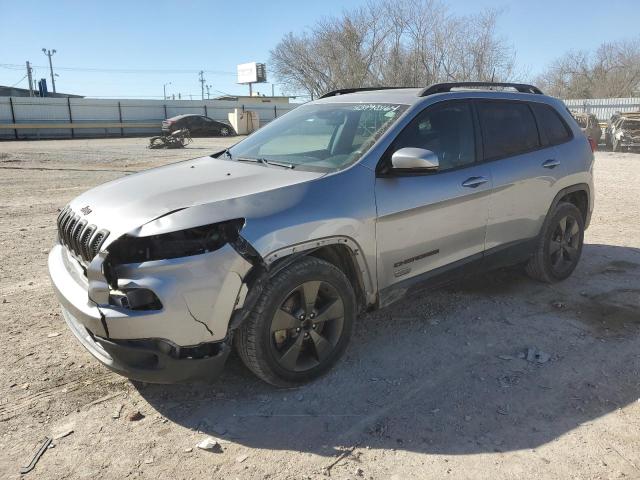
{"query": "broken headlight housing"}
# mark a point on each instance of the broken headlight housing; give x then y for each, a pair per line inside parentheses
(183, 243)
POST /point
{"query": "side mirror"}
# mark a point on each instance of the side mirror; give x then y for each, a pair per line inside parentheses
(415, 159)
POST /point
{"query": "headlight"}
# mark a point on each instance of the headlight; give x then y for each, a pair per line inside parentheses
(183, 243)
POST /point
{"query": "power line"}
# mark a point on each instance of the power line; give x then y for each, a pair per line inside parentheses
(13, 66)
(18, 81)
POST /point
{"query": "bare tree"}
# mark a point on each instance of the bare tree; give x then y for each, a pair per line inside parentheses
(612, 70)
(393, 43)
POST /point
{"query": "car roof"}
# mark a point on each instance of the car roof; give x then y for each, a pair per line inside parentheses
(185, 115)
(411, 96)
(406, 96)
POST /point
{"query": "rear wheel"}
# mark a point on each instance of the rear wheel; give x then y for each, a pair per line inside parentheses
(225, 131)
(560, 245)
(301, 324)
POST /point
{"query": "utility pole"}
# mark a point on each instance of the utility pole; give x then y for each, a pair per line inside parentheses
(273, 90)
(50, 53)
(164, 89)
(30, 75)
(208, 93)
(202, 81)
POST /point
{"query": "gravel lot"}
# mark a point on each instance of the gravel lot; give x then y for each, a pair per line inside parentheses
(430, 386)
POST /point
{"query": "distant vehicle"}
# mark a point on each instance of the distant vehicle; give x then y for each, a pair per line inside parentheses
(198, 126)
(589, 125)
(623, 131)
(607, 131)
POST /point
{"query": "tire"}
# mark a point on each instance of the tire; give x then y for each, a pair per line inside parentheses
(269, 352)
(559, 248)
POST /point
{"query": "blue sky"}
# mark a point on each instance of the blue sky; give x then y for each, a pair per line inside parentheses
(173, 40)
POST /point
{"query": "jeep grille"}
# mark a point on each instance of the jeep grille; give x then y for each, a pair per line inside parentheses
(83, 240)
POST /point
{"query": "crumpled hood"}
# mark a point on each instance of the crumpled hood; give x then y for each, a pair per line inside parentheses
(129, 202)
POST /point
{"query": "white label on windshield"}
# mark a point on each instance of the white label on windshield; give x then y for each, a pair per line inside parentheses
(376, 107)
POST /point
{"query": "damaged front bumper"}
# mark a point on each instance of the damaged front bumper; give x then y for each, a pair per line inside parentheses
(184, 338)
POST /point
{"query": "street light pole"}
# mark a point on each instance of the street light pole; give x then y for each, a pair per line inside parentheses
(50, 53)
(164, 89)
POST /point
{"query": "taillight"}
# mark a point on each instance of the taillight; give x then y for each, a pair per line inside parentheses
(593, 144)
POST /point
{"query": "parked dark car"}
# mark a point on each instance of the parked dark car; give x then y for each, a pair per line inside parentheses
(198, 126)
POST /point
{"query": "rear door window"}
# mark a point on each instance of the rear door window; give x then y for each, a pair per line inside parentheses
(550, 123)
(508, 128)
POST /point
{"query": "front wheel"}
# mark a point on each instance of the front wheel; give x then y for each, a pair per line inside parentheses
(300, 325)
(559, 246)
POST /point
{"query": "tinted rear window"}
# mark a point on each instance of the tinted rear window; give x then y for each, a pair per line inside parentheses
(508, 128)
(551, 124)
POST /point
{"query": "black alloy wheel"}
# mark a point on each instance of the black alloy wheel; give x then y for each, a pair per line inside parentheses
(306, 327)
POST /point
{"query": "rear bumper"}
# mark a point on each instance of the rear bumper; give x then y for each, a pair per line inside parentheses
(148, 360)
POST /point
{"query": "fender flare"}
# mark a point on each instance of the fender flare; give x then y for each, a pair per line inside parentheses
(578, 187)
(304, 248)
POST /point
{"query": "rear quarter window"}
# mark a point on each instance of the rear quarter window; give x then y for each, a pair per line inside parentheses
(551, 124)
(508, 128)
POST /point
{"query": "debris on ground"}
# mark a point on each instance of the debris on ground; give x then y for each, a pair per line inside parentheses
(359, 472)
(537, 356)
(64, 431)
(43, 448)
(506, 357)
(559, 305)
(241, 458)
(53, 334)
(210, 444)
(118, 410)
(135, 416)
(188, 450)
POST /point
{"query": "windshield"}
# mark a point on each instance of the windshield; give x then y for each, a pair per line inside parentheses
(319, 137)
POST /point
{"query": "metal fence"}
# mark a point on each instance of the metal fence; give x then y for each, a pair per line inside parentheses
(34, 110)
(603, 108)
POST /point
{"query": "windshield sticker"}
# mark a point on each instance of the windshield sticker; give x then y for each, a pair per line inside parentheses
(376, 107)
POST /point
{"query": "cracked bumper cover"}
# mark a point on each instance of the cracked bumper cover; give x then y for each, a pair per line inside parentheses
(198, 296)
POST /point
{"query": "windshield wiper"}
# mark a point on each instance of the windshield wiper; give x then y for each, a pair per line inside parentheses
(277, 164)
(265, 162)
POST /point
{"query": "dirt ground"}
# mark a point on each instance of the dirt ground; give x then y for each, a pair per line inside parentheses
(432, 387)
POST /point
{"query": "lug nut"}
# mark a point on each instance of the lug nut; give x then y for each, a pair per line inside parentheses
(297, 330)
(301, 317)
(306, 335)
(313, 315)
(314, 326)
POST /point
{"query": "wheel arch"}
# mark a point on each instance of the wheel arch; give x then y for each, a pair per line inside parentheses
(578, 195)
(342, 252)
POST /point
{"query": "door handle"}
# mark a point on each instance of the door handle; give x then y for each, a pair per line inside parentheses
(551, 163)
(474, 182)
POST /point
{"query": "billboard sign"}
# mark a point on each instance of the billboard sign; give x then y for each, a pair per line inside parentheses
(252, 73)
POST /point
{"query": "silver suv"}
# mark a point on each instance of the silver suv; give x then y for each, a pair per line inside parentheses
(343, 205)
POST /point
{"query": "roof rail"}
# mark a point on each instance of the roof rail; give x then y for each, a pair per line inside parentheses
(344, 91)
(447, 87)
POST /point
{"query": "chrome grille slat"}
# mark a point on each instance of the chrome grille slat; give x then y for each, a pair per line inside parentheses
(82, 240)
(85, 240)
